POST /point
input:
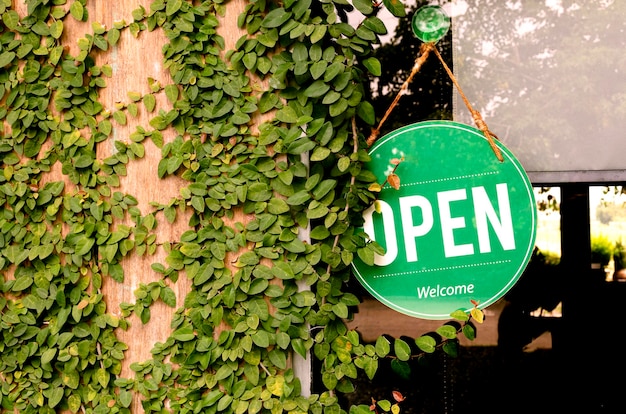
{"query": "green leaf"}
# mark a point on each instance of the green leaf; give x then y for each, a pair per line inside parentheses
(383, 346)
(343, 164)
(329, 379)
(318, 33)
(224, 402)
(395, 7)
(84, 245)
(366, 112)
(331, 97)
(384, 404)
(295, 246)
(133, 96)
(259, 308)
(320, 154)
(113, 36)
(184, 334)
(360, 409)
(74, 402)
(316, 89)
(55, 396)
(173, 6)
(6, 58)
(218, 250)
(103, 377)
(366, 255)
(278, 358)
(268, 102)
(321, 233)
(248, 258)
(300, 347)
(77, 10)
(259, 192)
(277, 206)
(257, 286)
(261, 339)
(48, 355)
(426, 343)
(370, 367)
(365, 34)
(340, 309)
(71, 379)
(469, 332)
(318, 69)
(324, 188)
(287, 114)
(276, 18)
(345, 386)
(22, 283)
(333, 70)
(116, 271)
(338, 107)
(375, 24)
(126, 398)
(84, 160)
(120, 117)
(300, 146)
(373, 66)
(191, 249)
(402, 368)
(401, 349)
(171, 92)
(451, 348)
(299, 198)
(168, 296)
(223, 372)
(460, 315)
(100, 42)
(56, 29)
(11, 19)
(364, 6)
(105, 127)
(212, 397)
(55, 54)
(283, 270)
(447, 331)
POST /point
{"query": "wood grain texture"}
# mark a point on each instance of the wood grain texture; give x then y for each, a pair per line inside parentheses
(133, 61)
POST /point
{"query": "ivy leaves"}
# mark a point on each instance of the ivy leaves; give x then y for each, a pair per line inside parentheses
(346, 353)
(262, 287)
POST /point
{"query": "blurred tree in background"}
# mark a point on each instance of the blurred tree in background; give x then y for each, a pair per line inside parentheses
(429, 95)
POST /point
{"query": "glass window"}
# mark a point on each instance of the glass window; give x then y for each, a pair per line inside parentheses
(548, 77)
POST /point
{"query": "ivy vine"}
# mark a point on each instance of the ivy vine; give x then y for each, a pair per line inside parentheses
(232, 339)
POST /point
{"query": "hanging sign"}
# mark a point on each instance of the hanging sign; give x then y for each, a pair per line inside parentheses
(460, 228)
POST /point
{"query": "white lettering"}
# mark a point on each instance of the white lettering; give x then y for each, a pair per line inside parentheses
(486, 216)
(485, 212)
(391, 242)
(449, 223)
(411, 232)
(425, 292)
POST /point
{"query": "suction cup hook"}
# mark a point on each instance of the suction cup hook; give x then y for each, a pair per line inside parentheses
(430, 24)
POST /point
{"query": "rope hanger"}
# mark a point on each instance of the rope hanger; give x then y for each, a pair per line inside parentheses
(423, 54)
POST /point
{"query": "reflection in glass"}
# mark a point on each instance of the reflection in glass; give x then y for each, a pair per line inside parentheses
(549, 79)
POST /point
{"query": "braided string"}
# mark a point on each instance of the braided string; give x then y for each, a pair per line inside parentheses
(478, 119)
(419, 61)
(425, 50)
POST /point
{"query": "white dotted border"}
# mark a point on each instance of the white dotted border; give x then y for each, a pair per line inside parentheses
(460, 177)
(438, 269)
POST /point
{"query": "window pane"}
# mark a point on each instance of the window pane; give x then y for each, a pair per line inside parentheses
(548, 78)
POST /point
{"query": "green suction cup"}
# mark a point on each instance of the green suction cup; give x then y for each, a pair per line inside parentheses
(430, 24)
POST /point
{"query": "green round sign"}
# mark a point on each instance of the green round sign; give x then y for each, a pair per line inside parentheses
(460, 229)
